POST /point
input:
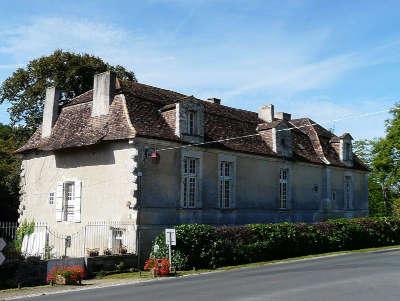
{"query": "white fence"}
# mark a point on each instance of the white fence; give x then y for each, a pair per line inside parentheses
(111, 237)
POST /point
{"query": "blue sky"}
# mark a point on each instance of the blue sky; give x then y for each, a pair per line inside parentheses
(328, 60)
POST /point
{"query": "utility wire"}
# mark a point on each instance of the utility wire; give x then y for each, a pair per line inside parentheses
(281, 130)
(229, 139)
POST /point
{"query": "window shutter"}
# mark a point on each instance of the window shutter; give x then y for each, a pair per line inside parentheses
(59, 201)
(77, 201)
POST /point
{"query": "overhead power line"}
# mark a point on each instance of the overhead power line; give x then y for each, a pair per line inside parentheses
(287, 129)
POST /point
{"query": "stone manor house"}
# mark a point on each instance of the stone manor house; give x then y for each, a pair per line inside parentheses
(153, 158)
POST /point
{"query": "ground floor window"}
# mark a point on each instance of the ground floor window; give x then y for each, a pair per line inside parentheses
(226, 171)
(190, 182)
(68, 201)
(348, 191)
(283, 187)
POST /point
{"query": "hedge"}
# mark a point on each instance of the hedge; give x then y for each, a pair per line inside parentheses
(204, 246)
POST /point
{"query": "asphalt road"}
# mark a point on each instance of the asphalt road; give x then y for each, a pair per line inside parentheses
(358, 276)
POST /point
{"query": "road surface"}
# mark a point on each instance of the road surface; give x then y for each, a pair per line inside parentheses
(358, 276)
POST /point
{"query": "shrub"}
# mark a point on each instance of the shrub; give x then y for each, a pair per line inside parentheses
(160, 266)
(25, 228)
(72, 274)
(204, 246)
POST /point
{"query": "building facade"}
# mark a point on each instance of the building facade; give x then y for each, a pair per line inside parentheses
(154, 158)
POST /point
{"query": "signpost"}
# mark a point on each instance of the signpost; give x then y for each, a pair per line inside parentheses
(2, 245)
(170, 240)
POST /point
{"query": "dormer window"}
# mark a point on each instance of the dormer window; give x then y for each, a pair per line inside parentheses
(347, 151)
(191, 122)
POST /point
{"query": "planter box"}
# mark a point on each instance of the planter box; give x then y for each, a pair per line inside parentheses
(108, 263)
(61, 280)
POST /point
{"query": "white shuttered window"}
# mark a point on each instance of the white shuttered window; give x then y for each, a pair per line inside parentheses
(68, 201)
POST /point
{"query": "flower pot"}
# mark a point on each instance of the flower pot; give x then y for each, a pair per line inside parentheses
(61, 280)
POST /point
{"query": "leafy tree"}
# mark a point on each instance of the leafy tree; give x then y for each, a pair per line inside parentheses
(386, 161)
(10, 139)
(383, 157)
(71, 72)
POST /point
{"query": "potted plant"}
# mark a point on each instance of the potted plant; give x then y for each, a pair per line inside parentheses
(107, 252)
(93, 252)
(71, 275)
(123, 250)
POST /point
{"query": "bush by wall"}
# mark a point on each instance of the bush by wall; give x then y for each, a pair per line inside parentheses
(204, 246)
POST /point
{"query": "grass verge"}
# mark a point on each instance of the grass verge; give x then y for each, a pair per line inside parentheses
(146, 275)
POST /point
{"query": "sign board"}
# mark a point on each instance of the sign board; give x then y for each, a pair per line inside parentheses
(170, 237)
(2, 245)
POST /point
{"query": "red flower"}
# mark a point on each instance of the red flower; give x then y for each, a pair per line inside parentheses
(72, 273)
(160, 266)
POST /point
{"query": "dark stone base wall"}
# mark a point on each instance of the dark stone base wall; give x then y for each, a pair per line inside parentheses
(24, 272)
(109, 263)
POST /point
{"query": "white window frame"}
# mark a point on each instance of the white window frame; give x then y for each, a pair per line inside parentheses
(348, 192)
(190, 175)
(226, 201)
(284, 178)
(68, 208)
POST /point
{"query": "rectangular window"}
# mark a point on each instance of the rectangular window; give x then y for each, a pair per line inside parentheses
(190, 182)
(347, 151)
(283, 187)
(51, 198)
(333, 197)
(191, 123)
(347, 192)
(68, 201)
(225, 184)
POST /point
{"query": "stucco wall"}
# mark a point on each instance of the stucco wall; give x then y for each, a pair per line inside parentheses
(106, 173)
(256, 190)
(108, 180)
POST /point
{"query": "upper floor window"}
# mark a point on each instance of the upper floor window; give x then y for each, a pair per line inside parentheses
(283, 187)
(226, 175)
(191, 122)
(348, 191)
(190, 182)
(347, 151)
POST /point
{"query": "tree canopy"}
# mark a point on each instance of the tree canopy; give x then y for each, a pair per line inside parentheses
(72, 73)
(383, 157)
(10, 139)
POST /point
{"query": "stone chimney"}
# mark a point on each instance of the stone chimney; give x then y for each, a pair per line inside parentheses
(266, 113)
(50, 111)
(283, 116)
(103, 92)
(214, 100)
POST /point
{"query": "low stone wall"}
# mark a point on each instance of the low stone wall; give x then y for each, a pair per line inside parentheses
(110, 263)
(23, 272)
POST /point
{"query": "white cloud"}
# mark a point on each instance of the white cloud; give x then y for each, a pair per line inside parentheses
(231, 66)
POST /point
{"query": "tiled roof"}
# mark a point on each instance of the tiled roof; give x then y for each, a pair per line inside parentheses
(146, 111)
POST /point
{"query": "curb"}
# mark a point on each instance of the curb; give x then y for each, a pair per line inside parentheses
(151, 281)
